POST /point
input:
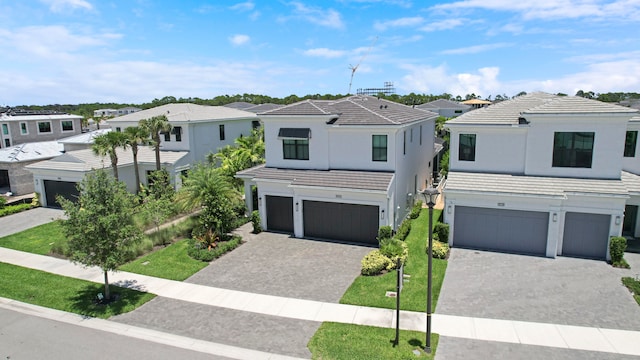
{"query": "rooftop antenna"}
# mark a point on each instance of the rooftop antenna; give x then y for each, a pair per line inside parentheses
(354, 68)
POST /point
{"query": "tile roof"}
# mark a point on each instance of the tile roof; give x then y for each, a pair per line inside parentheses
(256, 109)
(443, 104)
(85, 160)
(240, 105)
(342, 179)
(185, 112)
(632, 182)
(635, 119)
(31, 151)
(507, 112)
(531, 185)
(355, 110)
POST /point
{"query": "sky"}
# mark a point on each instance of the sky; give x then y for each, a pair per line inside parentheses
(134, 51)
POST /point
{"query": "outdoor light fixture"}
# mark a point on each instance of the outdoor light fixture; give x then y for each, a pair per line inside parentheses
(260, 201)
(296, 206)
(555, 217)
(430, 196)
(382, 214)
(449, 209)
(617, 220)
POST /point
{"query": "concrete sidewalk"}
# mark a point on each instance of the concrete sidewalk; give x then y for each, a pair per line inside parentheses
(507, 331)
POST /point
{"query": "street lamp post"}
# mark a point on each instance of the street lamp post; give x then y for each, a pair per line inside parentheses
(430, 195)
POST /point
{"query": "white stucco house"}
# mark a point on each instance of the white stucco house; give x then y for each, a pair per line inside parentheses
(197, 129)
(545, 175)
(14, 177)
(341, 169)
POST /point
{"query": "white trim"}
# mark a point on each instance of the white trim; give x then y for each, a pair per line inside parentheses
(62, 126)
(44, 121)
(26, 128)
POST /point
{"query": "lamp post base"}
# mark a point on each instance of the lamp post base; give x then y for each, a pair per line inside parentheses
(427, 350)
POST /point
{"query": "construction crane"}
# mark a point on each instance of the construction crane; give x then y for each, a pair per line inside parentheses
(354, 68)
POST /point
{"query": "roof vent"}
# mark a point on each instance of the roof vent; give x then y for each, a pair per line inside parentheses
(381, 106)
(385, 106)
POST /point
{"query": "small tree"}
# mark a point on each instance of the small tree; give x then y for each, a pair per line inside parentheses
(100, 225)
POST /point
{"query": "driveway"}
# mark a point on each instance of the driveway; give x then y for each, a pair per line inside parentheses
(564, 290)
(278, 264)
(21, 221)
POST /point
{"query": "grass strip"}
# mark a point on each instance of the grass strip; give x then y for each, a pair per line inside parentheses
(357, 342)
(64, 293)
(171, 262)
(37, 240)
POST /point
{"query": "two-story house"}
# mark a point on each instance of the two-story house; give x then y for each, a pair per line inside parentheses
(198, 129)
(542, 174)
(341, 169)
(19, 126)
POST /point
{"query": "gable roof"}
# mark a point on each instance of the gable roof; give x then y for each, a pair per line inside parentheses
(507, 112)
(240, 105)
(443, 104)
(183, 112)
(263, 107)
(355, 110)
(31, 151)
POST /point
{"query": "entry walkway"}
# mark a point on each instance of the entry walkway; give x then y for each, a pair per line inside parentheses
(518, 332)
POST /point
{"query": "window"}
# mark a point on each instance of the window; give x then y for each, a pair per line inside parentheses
(177, 131)
(5, 129)
(404, 143)
(167, 136)
(23, 129)
(7, 142)
(457, 111)
(255, 124)
(118, 129)
(67, 125)
(630, 144)
(573, 149)
(221, 132)
(44, 127)
(379, 148)
(295, 149)
(467, 147)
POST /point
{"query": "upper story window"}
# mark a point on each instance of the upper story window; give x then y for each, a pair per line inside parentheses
(221, 129)
(467, 147)
(44, 127)
(255, 124)
(630, 144)
(23, 128)
(167, 136)
(573, 149)
(118, 129)
(67, 125)
(295, 149)
(5, 129)
(379, 147)
(177, 131)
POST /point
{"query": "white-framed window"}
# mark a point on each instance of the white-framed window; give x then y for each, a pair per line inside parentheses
(67, 125)
(5, 129)
(24, 129)
(44, 127)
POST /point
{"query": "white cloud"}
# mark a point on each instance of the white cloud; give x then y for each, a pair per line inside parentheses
(245, 6)
(325, 53)
(474, 49)
(315, 15)
(443, 25)
(239, 39)
(401, 22)
(59, 6)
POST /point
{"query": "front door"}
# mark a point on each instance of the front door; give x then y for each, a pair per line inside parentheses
(630, 220)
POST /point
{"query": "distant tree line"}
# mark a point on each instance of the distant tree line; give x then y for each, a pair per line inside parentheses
(86, 110)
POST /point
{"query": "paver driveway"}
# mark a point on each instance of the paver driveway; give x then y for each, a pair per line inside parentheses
(278, 264)
(562, 291)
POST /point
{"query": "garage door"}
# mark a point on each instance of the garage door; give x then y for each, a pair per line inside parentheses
(514, 231)
(63, 188)
(280, 213)
(4, 178)
(339, 221)
(586, 235)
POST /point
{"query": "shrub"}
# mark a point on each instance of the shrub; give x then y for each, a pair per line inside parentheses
(3, 202)
(415, 210)
(196, 251)
(13, 209)
(35, 202)
(396, 251)
(384, 232)
(440, 250)
(373, 263)
(255, 221)
(442, 230)
(617, 246)
(403, 229)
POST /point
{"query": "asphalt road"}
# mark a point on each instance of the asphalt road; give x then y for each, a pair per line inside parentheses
(29, 337)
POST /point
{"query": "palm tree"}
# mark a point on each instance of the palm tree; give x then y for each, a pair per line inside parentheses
(136, 136)
(106, 144)
(247, 152)
(154, 126)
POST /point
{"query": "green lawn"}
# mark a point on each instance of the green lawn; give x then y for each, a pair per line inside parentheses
(370, 290)
(64, 293)
(633, 284)
(355, 342)
(171, 262)
(37, 240)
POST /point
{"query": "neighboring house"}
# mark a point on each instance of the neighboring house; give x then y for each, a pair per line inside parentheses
(115, 112)
(256, 109)
(340, 169)
(60, 175)
(240, 105)
(476, 103)
(543, 174)
(19, 126)
(198, 129)
(82, 141)
(446, 108)
(14, 177)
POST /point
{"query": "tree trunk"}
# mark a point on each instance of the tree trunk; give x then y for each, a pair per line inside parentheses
(158, 156)
(107, 295)
(114, 165)
(135, 167)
